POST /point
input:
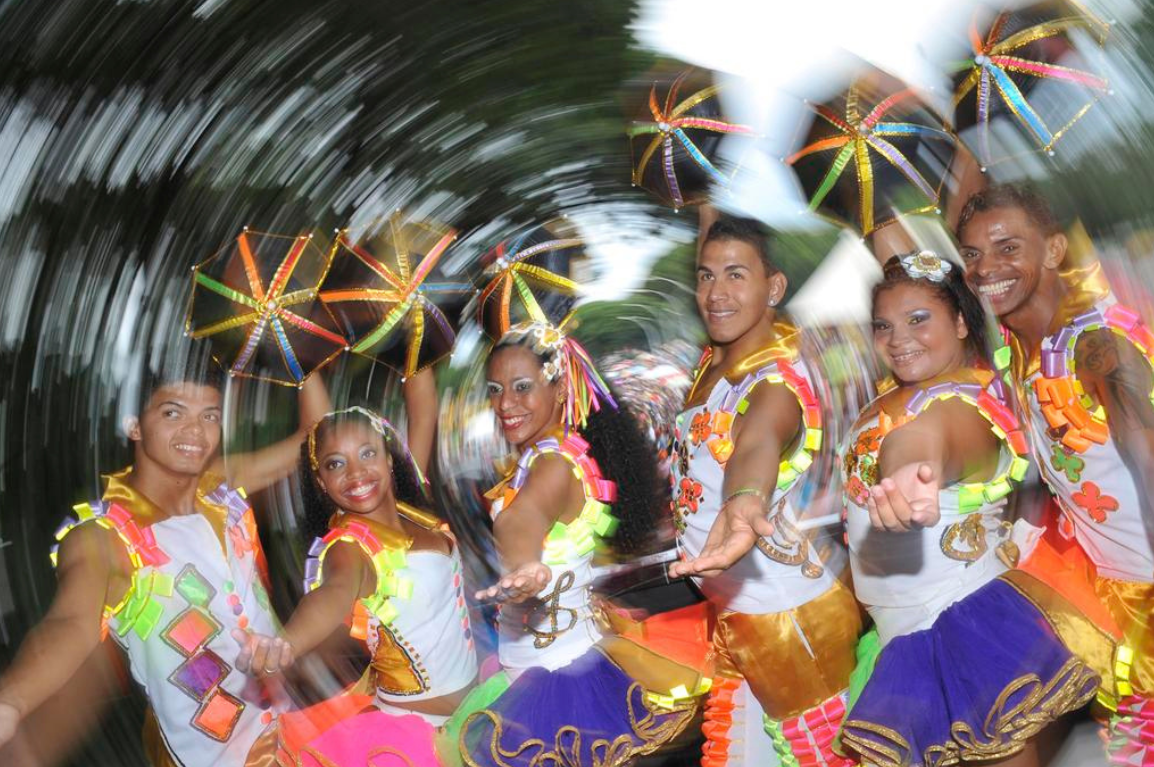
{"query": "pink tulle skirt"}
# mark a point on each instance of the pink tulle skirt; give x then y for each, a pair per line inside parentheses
(348, 732)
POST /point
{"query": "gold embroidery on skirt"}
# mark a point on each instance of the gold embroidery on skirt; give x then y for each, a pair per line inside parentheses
(1004, 732)
(654, 730)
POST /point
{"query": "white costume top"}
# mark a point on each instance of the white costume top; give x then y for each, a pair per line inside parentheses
(783, 571)
(906, 579)
(416, 622)
(1078, 456)
(558, 626)
(197, 577)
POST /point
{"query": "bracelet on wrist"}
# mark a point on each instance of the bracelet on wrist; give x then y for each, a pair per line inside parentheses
(745, 491)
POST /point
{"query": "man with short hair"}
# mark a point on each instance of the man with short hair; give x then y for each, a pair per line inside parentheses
(785, 625)
(169, 563)
(1085, 367)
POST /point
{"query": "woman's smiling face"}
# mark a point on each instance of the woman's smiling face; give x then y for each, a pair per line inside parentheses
(916, 333)
(354, 467)
(527, 406)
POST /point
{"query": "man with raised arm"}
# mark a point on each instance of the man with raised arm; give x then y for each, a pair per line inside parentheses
(167, 563)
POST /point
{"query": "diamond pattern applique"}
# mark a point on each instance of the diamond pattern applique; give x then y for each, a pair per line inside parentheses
(218, 714)
(194, 587)
(200, 673)
(190, 631)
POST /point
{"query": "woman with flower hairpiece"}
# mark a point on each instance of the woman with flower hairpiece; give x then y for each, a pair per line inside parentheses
(971, 659)
(393, 568)
(574, 696)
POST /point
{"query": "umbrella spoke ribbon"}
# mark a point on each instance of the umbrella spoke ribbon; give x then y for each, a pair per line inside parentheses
(267, 307)
(510, 274)
(856, 136)
(668, 128)
(993, 62)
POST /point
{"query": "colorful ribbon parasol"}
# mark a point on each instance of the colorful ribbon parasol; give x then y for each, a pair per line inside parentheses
(875, 152)
(675, 155)
(256, 303)
(391, 296)
(527, 277)
(1026, 76)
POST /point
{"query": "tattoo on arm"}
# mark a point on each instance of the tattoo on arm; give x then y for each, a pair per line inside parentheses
(1124, 379)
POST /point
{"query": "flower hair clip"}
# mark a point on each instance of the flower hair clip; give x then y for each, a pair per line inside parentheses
(925, 264)
(586, 390)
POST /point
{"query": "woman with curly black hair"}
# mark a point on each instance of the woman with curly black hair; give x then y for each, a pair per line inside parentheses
(585, 472)
(397, 571)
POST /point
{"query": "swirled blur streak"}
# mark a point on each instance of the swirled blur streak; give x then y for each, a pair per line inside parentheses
(137, 137)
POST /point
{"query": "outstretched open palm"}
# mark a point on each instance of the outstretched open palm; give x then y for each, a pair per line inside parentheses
(906, 501)
(519, 585)
(734, 533)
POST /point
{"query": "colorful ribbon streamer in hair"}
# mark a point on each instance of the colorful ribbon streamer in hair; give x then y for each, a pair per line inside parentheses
(587, 389)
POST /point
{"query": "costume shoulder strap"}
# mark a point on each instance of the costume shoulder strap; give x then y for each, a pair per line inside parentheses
(577, 538)
(778, 369)
(385, 553)
(138, 610)
(988, 399)
(419, 517)
(233, 500)
(1060, 395)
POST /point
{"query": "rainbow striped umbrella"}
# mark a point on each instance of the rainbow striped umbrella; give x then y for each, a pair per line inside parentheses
(675, 147)
(255, 302)
(1025, 85)
(873, 153)
(528, 278)
(391, 296)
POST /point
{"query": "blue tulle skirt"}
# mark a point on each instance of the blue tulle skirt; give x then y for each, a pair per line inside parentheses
(589, 712)
(988, 675)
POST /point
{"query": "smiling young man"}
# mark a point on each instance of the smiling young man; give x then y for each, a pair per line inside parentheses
(750, 429)
(1084, 366)
(167, 563)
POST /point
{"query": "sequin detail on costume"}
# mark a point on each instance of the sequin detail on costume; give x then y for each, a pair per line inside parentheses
(551, 608)
(965, 541)
(1063, 402)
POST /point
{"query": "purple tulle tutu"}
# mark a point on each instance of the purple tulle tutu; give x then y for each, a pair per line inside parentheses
(589, 712)
(988, 675)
